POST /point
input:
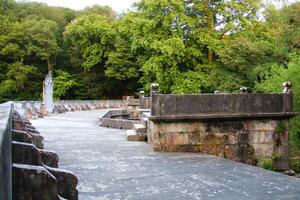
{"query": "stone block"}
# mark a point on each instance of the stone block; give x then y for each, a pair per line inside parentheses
(18, 125)
(140, 129)
(49, 158)
(33, 182)
(256, 137)
(177, 138)
(260, 125)
(21, 136)
(264, 150)
(66, 183)
(24, 153)
(133, 137)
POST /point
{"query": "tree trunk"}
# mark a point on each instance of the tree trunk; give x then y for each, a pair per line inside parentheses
(49, 65)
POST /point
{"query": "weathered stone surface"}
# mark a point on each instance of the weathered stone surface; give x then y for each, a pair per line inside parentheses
(33, 182)
(180, 105)
(119, 119)
(18, 125)
(24, 136)
(133, 111)
(66, 183)
(24, 153)
(244, 140)
(36, 163)
(21, 136)
(145, 103)
(49, 158)
(140, 129)
(134, 137)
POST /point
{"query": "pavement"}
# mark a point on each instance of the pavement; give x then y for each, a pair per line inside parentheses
(111, 168)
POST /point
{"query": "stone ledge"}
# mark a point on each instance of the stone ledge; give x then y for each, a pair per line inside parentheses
(211, 117)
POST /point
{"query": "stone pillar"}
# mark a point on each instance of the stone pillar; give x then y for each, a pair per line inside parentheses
(47, 105)
(142, 94)
(287, 97)
(154, 91)
(154, 88)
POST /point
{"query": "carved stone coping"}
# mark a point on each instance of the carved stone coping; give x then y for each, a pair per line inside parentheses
(222, 117)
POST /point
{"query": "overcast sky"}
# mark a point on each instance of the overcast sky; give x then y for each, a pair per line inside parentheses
(117, 5)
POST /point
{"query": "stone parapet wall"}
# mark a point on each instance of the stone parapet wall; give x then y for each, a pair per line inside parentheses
(28, 171)
(35, 173)
(144, 102)
(177, 106)
(248, 141)
(250, 128)
(5, 152)
(34, 109)
(119, 119)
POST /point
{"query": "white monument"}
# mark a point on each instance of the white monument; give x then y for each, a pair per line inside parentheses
(48, 105)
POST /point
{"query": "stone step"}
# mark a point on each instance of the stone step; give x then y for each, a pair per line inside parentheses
(133, 137)
(140, 129)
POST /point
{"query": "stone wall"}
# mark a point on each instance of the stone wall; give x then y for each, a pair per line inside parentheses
(33, 109)
(144, 102)
(5, 152)
(250, 128)
(120, 119)
(218, 105)
(248, 141)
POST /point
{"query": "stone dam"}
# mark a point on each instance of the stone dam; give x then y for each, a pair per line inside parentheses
(94, 150)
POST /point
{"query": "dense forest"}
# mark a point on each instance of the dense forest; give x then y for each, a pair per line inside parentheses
(186, 46)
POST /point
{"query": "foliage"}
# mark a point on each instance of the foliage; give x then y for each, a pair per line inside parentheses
(267, 164)
(273, 83)
(186, 46)
(90, 36)
(63, 82)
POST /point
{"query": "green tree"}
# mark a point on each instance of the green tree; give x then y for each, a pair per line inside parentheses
(63, 82)
(90, 37)
(32, 38)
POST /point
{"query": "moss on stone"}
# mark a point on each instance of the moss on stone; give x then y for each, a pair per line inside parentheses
(280, 128)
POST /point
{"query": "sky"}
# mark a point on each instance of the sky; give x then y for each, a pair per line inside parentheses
(117, 5)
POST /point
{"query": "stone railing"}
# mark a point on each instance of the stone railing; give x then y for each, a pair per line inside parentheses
(5, 152)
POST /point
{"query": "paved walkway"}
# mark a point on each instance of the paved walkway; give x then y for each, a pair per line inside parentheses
(109, 167)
